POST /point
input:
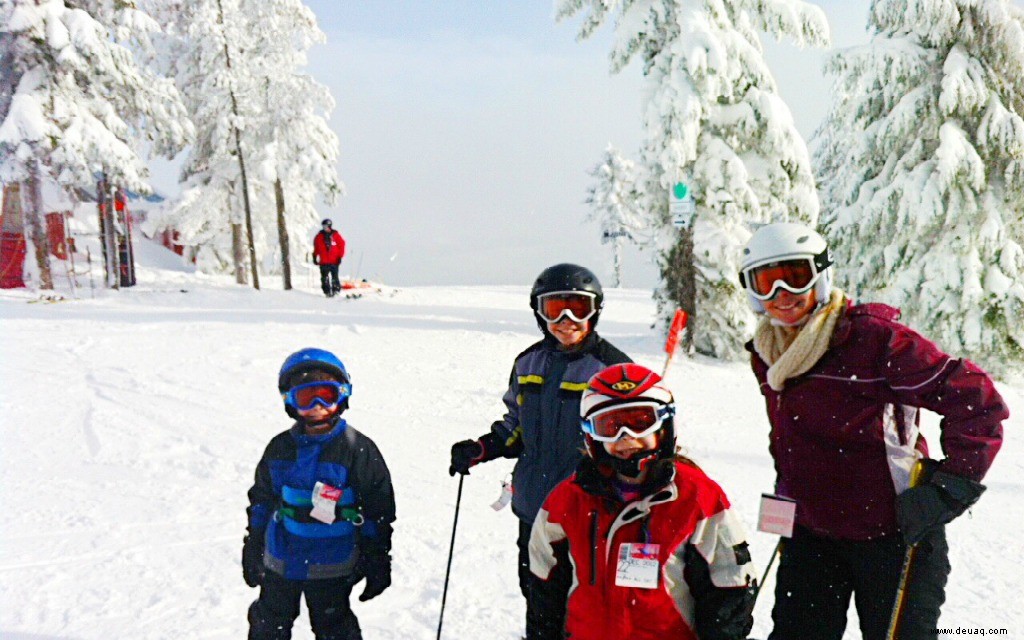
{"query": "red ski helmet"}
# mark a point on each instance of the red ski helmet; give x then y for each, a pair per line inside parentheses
(620, 387)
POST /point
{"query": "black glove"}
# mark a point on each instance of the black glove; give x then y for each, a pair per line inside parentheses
(252, 559)
(316, 260)
(934, 503)
(375, 564)
(466, 454)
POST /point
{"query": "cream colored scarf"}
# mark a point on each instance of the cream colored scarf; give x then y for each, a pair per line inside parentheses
(791, 351)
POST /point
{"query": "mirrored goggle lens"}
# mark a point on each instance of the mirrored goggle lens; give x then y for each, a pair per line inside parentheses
(326, 394)
(633, 420)
(577, 306)
(796, 275)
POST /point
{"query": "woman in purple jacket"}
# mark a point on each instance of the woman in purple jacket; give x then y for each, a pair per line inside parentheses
(843, 384)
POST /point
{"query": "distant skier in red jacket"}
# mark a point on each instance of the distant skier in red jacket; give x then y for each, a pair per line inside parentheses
(328, 250)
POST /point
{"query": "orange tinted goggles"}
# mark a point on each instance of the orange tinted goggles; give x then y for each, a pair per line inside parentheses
(637, 420)
(578, 306)
(795, 276)
(325, 393)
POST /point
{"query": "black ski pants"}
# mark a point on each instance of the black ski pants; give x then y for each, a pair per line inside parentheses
(329, 279)
(272, 615)
(817, 576)
(523, 542)
(526, 577)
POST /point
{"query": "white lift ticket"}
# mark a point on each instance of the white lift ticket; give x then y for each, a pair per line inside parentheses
(637, 565)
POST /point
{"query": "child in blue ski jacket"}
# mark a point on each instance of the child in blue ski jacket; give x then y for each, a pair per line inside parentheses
(320, 510)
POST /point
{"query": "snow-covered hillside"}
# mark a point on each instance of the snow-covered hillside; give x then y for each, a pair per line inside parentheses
(132, 423)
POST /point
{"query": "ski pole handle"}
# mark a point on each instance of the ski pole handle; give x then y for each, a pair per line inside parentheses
(908, 560)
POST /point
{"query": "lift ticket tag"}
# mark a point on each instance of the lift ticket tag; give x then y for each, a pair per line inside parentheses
(637, 565)
(506, 495)
(325, 499)
(777, 515)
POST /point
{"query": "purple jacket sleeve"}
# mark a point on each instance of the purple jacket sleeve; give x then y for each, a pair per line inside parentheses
(920, 374)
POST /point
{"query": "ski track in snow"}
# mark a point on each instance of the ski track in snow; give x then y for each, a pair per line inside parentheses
(133, 423)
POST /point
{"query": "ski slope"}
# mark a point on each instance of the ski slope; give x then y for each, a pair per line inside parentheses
(132, 423)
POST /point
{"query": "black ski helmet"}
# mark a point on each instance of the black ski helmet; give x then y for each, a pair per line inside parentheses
(326, 222)
(567, 277)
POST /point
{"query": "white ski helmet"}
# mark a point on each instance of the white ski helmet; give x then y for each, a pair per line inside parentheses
(782, 241)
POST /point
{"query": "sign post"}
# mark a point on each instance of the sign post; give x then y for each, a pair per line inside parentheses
(681, 205)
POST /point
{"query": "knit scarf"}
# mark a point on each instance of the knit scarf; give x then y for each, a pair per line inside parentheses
(792, 351)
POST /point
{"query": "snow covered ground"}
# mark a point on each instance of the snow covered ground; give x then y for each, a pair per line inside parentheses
(132, 423)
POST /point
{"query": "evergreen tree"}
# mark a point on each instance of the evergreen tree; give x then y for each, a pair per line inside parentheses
(280, 125)
(921, 164)
(712, 119)
(76, 102)
(615, 204)
(300, 154)
(222, 98)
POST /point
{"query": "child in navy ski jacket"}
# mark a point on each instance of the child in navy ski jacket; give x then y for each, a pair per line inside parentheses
(541, 427)
(320, 510)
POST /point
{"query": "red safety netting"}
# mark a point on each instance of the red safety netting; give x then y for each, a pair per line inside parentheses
(56, 235)
(170, 239)
(12, 260)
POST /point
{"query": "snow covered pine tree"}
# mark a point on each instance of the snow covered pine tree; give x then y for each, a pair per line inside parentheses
(615, 204)
(281, 126)
(81, 99)
(713, 118)
(921, 167)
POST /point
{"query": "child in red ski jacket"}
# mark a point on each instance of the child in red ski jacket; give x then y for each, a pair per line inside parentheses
(639, 544)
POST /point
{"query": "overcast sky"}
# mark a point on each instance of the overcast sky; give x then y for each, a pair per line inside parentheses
(467, 128)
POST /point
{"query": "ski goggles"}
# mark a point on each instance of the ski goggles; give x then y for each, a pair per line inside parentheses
(796, 276)
(638, 420)
(579, 306)
(326, 393)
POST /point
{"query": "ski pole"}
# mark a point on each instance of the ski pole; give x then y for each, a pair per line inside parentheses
(451, 549)
(908, 559)
(778, 545)
(678, 324)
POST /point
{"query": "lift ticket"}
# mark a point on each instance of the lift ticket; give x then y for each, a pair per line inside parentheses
(637, 565)
(506, 495)
(777, 515)
(325, 499)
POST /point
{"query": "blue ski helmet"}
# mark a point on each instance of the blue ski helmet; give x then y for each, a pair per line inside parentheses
(310, 359)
